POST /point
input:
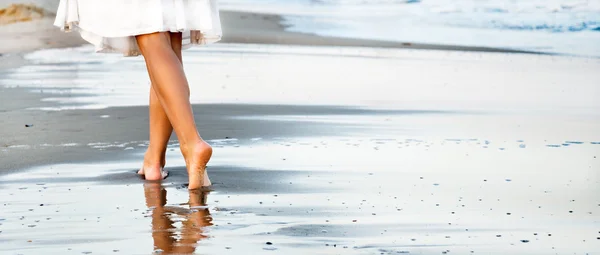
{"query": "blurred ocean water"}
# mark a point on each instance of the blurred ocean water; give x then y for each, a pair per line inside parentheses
(555, 26)
(569, 27)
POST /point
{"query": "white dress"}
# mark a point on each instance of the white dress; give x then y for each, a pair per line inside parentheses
(111, 25)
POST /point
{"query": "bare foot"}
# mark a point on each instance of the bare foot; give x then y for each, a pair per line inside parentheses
(196, 159)
(153, 171)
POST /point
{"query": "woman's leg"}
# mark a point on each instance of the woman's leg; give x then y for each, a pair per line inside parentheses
(160, 127)
(172, 91)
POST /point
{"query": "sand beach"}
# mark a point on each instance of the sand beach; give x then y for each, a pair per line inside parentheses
(322, 146)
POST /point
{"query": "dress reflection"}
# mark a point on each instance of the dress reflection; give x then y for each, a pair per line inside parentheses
(194, 217)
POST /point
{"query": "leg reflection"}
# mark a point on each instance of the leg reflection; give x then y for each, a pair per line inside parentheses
(194, 218)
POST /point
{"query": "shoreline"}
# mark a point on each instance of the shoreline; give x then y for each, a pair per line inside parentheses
(257, 30)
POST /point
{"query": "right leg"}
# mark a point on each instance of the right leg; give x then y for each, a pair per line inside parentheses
(172, 90)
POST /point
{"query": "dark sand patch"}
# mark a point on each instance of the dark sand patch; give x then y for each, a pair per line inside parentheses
(70, 135)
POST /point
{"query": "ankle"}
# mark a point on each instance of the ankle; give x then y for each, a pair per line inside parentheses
(154, 159)
(192, 151)
(190, 147)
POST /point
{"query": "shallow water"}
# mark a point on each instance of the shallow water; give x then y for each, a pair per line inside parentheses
(318, 195)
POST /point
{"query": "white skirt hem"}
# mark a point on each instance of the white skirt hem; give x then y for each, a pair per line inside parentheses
(197, 20)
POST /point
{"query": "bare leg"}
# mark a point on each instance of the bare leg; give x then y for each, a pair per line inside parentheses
(160, 127)
(172, 90)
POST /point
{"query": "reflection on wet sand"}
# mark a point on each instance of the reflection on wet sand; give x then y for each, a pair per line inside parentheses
(193, 218)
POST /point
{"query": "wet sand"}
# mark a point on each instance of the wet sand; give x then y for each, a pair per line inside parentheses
(442, 152)
(380, 149)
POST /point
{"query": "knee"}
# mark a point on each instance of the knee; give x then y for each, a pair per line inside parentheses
(154, 40)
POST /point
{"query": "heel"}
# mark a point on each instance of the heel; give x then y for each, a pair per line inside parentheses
(197, 161)
(196, 178)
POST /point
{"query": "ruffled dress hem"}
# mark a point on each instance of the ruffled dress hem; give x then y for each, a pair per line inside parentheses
(120, 38)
